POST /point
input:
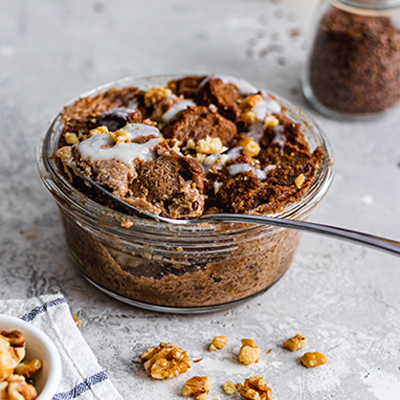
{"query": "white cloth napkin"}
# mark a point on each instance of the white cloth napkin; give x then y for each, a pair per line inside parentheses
(83, 378)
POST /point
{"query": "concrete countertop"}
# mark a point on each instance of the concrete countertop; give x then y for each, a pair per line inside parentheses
(345, 299)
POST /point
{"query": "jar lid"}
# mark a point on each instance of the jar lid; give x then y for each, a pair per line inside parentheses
(372, 4)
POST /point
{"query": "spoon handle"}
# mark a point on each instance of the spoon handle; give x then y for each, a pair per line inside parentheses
(364, 239)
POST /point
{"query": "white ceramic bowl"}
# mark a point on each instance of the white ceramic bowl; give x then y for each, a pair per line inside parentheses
(39, 346)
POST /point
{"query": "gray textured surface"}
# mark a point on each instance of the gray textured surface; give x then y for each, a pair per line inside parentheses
(344, 298)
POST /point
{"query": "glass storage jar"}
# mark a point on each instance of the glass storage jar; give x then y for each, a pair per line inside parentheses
(353, 68)
(177, 268)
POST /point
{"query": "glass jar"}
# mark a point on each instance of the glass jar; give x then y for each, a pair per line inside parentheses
(177, 268)
(353, 68)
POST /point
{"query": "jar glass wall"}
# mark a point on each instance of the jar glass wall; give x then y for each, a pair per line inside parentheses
(353, 67)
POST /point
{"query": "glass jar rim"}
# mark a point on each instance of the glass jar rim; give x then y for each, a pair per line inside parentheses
(94, 213)
(378, 5)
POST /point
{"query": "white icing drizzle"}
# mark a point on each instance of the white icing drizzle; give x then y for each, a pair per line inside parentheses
(210, 160)
(102, 147)
(266, 106)
(233, 153)
(279, 138)
(243, 86)
(235, 169)
(256, 131)
(176, 108)
(217, 186)
(140, 130)
(261, 175)
(269, 168)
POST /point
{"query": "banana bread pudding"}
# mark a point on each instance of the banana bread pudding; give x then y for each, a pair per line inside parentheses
(202, 144)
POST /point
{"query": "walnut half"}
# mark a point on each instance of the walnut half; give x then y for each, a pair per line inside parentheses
(255, 388)
(165, 361)
(197, 387)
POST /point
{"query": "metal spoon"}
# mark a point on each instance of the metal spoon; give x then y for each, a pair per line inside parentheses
(364, 239)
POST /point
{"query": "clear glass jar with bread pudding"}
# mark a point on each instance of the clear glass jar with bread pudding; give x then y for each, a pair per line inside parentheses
(198, 267)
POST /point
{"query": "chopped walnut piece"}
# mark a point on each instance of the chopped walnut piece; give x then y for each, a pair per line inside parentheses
(249, 352)
(250, 147)
(219, 342)
(295, 343)
(229, 387)
(197, 387)
(271, 121)
(190, 145)
(155, 95)
(175, 148)
(71, 138)
(249, 117)
(209, 145)
(165, 361)
(299, 181)
(250, 102)
(120, 136)
(19, 389)
(28, 368)
(200, 157)
(255, 388)
(99, 131)
(311, 360)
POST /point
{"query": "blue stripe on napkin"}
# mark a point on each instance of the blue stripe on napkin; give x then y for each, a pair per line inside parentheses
(41, 309)
(82, 387)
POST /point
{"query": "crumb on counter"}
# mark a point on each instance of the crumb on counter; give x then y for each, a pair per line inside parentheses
(78, 322)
